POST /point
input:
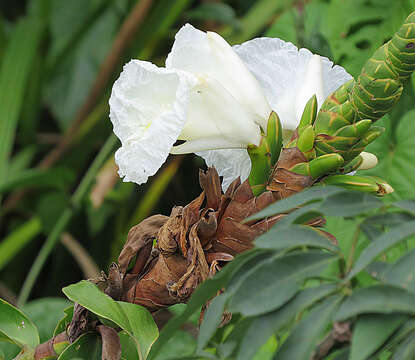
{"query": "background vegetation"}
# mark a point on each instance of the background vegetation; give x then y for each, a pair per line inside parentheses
(64, 212)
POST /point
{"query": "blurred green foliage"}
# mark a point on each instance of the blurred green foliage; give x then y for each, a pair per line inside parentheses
(51, 53)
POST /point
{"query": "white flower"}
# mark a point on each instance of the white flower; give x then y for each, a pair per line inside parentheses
(215, 98)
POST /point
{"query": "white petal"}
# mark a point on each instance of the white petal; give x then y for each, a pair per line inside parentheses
(369, 161)
(230, 163)
(209, 54)
(214, 113)
(148, 110)
(281, 69)
(312, 85)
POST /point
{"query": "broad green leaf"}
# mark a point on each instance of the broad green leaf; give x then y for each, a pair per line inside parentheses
(382, 244)
(383, 299)
(276, 281)
(45, 313)
(396, 163)
(211, 320)
(292, 237)
(317, 193)
(405, 351)
(356, 28)
(181, 345)
(263, 326)
(371, 331)
(64, 321)
(203, 292)
(17, 240)
(87, 347)
(14, 71)
(58, 178)
(17, 326)
(134, 319)
(301, 342)
(129, 350)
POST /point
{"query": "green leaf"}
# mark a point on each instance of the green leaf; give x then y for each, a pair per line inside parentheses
(14, 72)
(262, 327)
(395, 154)
(349, 204)
(383, 299)
(406, 351)
(134, 319)
(211, 320)
(408, 205)
(292, 237)
(64, 321)
(58, 178)
(317, 193)
(45, 313)
(276, 281)
(203, 292)
(301, 342)
(402, 272)
(129, 350)
(382, 244)
(17, 326)
(17, 240)
(371, 331)
(87, 347)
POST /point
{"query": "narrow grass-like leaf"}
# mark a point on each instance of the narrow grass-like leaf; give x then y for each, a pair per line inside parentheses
(276, 281)
(302, 341)
(17, 326)
(371, 331)
(18, 239)
(132, 318)
(380, 245)
(382, 299)
(262, 327)
(14, 73)
(58, 178)
(292, 237)
(65, 217)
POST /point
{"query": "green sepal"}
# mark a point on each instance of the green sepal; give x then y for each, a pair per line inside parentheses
(357, 129)
(260, 166)
(305, 141)
(274, 137)
(352, 165)
(320, 166)
(367, 184)
(265, 155)
(309, 114)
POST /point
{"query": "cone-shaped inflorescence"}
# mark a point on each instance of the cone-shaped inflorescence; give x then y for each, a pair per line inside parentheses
(332, 140)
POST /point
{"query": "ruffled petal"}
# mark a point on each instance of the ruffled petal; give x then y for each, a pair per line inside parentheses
(281, 68)
(148, 107)
(209, 54)
(230, 163)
